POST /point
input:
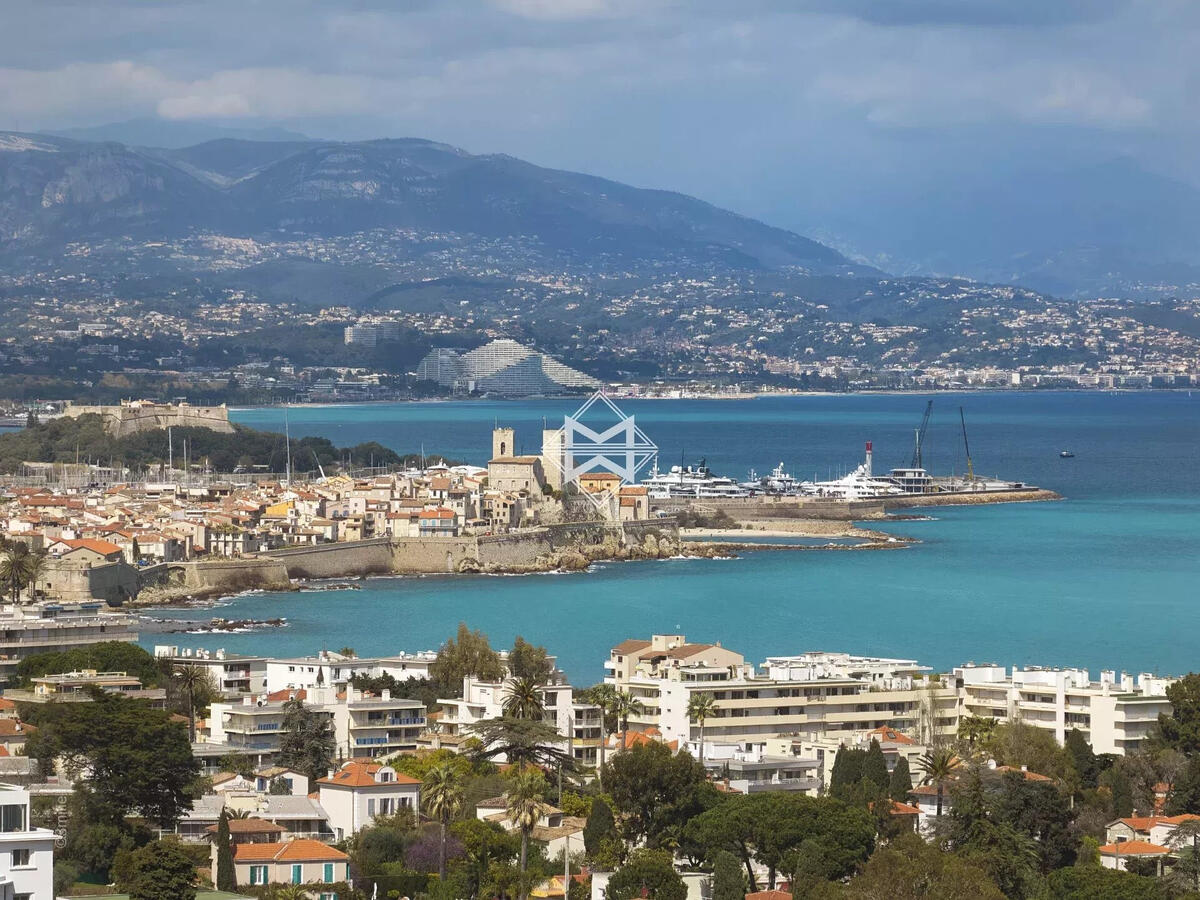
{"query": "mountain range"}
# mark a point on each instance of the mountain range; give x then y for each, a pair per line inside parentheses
(60, 190)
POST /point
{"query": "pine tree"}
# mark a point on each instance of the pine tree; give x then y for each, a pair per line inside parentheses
(901, 781)
(226, 873)
(729, 881)
(874, 767)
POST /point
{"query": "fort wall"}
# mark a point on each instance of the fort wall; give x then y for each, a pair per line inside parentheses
(140, 415)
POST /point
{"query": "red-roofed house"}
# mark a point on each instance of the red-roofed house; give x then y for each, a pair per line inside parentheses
(359, 791)
(1117, 856)
(298, 861)
(437, 522)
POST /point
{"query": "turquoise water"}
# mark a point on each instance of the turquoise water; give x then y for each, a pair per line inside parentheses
(1107, 578)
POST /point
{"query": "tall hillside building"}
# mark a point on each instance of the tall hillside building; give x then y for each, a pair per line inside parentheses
(502, 367)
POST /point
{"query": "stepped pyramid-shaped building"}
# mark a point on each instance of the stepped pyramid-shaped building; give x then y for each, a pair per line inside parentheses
(502, 367)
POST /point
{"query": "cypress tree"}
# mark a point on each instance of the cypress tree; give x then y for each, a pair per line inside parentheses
(226, 873)
(600, 825)
(729, 881)
(1082, 757)
(874, 767)
(847, 772)
(901, 781)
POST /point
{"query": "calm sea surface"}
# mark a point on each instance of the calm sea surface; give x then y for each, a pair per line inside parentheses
(1109, 578)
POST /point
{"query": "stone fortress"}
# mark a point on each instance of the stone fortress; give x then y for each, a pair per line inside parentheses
(133, 416)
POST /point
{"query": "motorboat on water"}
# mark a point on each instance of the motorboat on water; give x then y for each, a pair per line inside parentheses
(778, 482)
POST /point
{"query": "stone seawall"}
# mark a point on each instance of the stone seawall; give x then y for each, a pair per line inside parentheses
(370, 557)
(974, 498)
(570, 545)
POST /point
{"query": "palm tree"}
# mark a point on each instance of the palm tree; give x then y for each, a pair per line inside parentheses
(976, 729)
(293, 891)
(939, 765)
(192, 678)
(523, 699)
(605, 697)
(442, 796)
(35, 567)
(523, 801)
(624, 706)
(13, 568)
(699, 708)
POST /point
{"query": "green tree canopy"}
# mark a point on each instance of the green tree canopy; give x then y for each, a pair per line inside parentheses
(874, 766)
(847, 772)
(656, 791)
(307, 743)
(468, 653)
(140, 761)
(648, 874)
(822, 837)
(226, 873)
(161, 869)
(911, 869)
(1094, 882)
(527, 661)
(1181, 729)
(728, 880)
(900, 783)
(106, 656)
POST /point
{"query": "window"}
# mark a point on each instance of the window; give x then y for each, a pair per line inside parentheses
(258, 874)
(12, 817)
(329, 873)
(297, 874)
(20, 857)
(371, 807)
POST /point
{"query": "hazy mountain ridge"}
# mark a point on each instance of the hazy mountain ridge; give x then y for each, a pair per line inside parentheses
(57, 190)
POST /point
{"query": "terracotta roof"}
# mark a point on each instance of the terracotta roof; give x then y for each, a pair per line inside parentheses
(520, 460)
(5, 703)
(688, 650)
(288, 694)
(357, 774)
(769, 895)
(634, 490)
(1029, 776)
(630, 646)
(599, 476)
(887, 735)
(14, 727)
(249, 826)
(1139, 823)
(440, 513)
(1133, 848)
(298, 850)
(104, 548)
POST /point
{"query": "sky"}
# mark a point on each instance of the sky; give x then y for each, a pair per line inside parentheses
(802, 112)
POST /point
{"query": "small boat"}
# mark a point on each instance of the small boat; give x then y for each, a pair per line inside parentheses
(1067, 454)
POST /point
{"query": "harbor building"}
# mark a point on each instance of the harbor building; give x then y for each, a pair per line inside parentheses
(51, 627)
(1116, 714)
(26, 852)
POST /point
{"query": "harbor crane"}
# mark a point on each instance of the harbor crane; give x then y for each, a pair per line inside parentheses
(916, 457)
(966, 446)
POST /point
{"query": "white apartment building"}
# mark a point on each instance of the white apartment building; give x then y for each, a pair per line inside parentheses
(52, 627)
(26, 853)
(1116, 714)
(363, 724)
(579, 723)
(232, 673)
(810, 696)
(328, 668)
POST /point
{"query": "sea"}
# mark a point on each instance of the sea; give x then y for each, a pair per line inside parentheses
(1107, 578)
